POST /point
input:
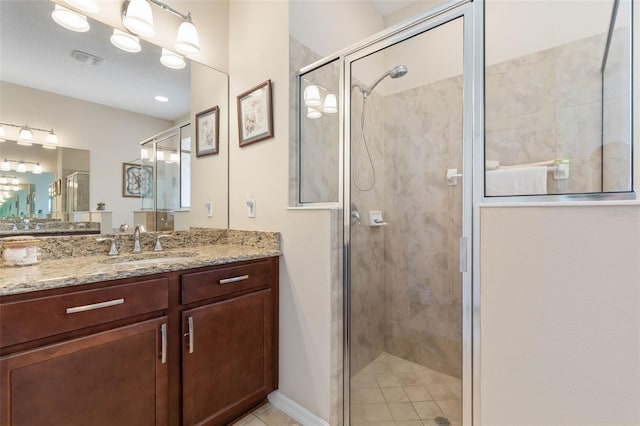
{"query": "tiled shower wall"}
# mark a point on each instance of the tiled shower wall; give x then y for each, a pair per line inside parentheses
(423, 138)
(547, 105)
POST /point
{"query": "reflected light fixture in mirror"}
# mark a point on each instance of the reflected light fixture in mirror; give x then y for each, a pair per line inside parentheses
(138, 18)
(1, 134)
(313, 113)
(172, 60)
(330, 104)
(125, 41)
(69, 19)
(312, 96)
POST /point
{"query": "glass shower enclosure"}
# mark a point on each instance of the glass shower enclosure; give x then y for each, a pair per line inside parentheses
(408, 224)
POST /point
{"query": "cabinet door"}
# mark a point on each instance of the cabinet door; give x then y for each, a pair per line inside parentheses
(118, 377)
(227, 358)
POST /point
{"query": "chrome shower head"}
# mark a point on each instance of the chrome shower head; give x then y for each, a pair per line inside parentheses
(398, 71)
(395, 72)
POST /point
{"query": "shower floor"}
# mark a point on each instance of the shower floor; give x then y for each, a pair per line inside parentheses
(391, 391)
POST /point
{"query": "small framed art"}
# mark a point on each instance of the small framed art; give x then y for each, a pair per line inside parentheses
(255, 114)
(207, 131)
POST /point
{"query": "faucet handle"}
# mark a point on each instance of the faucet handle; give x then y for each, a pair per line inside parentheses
(158, 246)
(113, 250)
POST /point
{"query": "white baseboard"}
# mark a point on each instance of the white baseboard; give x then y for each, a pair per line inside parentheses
(295, 410)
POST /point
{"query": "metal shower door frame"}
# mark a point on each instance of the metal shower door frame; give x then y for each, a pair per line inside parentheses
(472, 13)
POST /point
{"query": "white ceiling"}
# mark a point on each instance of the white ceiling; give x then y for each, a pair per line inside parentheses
(387, 7)
(36, 52)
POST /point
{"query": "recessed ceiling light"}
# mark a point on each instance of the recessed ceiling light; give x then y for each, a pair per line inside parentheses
(161, 98)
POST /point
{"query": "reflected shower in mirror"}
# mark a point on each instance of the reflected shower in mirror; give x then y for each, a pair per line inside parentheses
(558, 108)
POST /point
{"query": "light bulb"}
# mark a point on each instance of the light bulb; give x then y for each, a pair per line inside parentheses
(330, 104)
(312, 96)
(313, 113)
(187, 41)
(138, 18)
(5, 166)
(22, 168)
(26, 134)
(89, 6)
(172, 60)
(52, 138)
(69, 19)
(125, 41)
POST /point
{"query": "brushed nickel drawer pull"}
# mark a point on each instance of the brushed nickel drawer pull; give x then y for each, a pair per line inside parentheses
(234, 279)
(163, 332)
(93, 306)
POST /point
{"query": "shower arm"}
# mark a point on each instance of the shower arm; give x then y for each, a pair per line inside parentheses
(366, 91)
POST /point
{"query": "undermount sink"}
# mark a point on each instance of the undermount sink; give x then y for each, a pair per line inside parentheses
(149, 258)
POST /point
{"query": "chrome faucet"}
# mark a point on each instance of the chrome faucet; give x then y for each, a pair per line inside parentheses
(136, 238)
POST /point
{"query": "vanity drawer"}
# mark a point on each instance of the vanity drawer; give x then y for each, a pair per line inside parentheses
(37, 318)
(225, 280)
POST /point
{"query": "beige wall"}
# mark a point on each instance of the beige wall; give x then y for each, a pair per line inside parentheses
(209, 174)
(259, 50)
(560, 315)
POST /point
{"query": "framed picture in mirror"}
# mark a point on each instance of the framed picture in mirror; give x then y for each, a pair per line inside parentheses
(207, 131)
(137, 180)
(255, 114)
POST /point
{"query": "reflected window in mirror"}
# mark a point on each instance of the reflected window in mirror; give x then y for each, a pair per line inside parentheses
(558, 98)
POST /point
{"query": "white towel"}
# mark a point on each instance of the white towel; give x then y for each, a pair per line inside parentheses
(517, 181)
(491, 164)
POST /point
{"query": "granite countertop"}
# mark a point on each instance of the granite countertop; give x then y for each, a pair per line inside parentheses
(69, 261)
(66, 272)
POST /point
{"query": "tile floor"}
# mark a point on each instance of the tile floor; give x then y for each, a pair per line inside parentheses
(266, 415)
(388, 392)
(394, 392)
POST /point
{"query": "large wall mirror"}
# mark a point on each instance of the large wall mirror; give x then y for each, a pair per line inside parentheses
(100, 100)
(558, 98)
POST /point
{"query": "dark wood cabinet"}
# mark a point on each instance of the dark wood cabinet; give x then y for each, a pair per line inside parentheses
(117, 377)
(227, 358)
(193, 347)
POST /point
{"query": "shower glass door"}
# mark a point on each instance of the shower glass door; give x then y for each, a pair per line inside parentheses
(405, 291)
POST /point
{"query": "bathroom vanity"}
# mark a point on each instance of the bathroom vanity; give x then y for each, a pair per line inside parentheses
(182, 340)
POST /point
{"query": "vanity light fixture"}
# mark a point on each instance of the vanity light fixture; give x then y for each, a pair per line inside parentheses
(187, 41)
(51, 138)
(22, 168)
(25, 135)
(69, 19)
(37, 169)
(89, 6)
(15, 181)
(172, 60)
(138, 18)
(125, 41)
(5, 166)
(174, 157)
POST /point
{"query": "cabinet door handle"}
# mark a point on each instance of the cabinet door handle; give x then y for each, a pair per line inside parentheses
(234, 279)
(190, 321)
(93, 306)
(163, 333)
